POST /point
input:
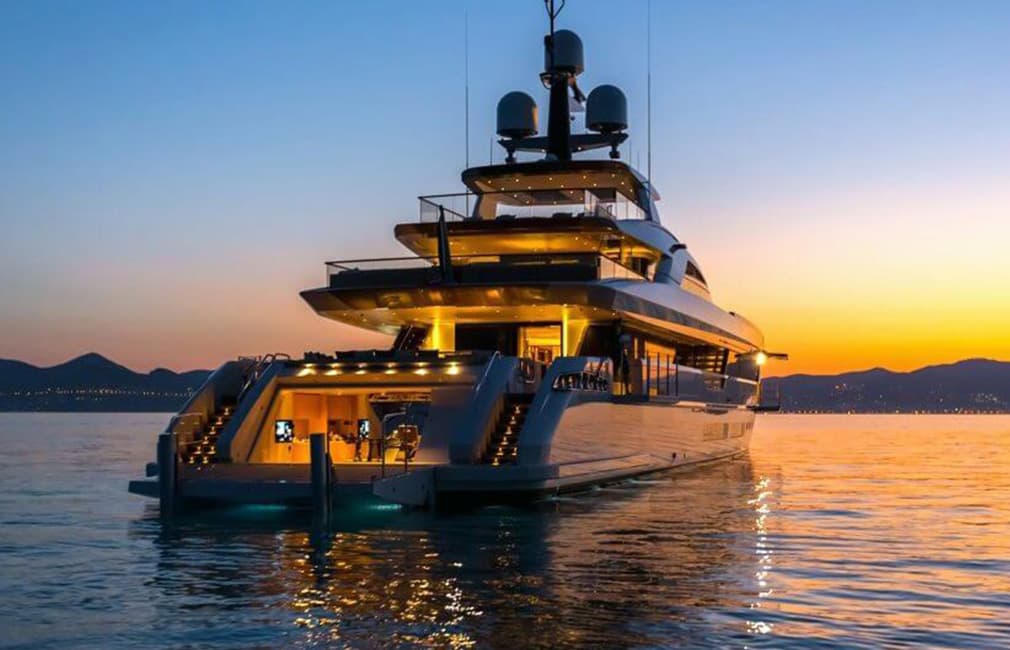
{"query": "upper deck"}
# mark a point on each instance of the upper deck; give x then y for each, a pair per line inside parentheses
(540, 208)
(604, 188)
(537, 230)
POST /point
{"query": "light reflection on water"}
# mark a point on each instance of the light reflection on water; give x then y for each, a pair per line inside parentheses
(835, 530)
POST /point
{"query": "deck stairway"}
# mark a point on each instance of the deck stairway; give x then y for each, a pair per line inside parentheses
(203, 449)
(503, 447)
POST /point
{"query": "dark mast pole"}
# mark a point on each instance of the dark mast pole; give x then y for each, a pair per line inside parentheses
(559, 120)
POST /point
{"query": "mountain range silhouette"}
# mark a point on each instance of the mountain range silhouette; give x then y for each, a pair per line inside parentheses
(94, 383)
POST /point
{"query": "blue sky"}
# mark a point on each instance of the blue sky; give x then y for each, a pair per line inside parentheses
(171, 174)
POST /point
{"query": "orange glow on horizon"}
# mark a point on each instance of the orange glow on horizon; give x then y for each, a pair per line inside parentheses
(877, 280)
(839, 283)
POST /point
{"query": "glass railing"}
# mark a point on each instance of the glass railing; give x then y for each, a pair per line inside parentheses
(379, 263)
(611, 269)
(556, 204)
(608, 268)
(456, 206)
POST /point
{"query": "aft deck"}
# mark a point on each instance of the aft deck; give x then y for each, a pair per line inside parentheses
(288, 484)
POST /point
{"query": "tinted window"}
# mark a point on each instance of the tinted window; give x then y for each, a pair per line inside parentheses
(692, 272)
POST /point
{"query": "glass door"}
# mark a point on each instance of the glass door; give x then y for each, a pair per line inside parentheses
(542, 343)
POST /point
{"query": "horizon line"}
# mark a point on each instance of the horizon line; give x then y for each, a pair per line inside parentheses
(800, 374)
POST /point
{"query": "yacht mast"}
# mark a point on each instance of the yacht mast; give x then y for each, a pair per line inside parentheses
(559, 119)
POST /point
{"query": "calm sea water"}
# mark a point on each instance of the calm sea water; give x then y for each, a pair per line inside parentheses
(837, 530)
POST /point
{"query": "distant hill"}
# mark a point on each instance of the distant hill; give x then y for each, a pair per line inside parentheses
(93, 383)
(973, 385)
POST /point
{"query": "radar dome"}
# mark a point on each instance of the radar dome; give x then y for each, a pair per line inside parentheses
(517, 115)
(567, 53)
(607, 110)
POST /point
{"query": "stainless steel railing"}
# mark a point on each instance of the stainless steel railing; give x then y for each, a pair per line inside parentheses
(558, 203)
(608, 268)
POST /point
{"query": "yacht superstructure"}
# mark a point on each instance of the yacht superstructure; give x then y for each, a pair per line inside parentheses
(549, 334)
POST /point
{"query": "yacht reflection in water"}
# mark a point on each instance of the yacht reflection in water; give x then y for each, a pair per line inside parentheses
(626, 566)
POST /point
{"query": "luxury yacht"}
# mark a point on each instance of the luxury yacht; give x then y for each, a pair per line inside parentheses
(549, 334)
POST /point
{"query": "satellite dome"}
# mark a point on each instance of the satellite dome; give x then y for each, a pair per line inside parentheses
(567, 53)
(607, 110)
(517, 115)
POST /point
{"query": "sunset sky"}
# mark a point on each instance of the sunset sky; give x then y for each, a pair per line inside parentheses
(172, 174)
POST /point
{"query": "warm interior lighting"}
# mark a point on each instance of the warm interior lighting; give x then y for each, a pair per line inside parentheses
(421, 371)
(453, 369)
(304, 372)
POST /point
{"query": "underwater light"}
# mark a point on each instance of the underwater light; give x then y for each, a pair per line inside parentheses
(255, 509)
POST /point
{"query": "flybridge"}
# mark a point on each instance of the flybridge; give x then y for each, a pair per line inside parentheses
(604, 187)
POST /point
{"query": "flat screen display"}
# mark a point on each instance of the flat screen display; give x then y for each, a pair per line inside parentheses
(364, 428)
(284, 431)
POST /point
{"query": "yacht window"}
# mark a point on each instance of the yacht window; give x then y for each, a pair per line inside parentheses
(540, 342)
(499, 336)
(639, 265)
(546, 203)
(661, 352)
(703, 357)
(600, 340)
(692, 272)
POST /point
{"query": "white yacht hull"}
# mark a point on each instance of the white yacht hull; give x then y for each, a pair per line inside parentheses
(594, 443)
(676, 433)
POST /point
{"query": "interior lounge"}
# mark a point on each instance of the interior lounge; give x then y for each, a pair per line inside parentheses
(362, 425)
(542, 342)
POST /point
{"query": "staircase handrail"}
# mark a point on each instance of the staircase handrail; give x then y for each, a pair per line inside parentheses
(487, 370)
(262, 362)
(469, 438)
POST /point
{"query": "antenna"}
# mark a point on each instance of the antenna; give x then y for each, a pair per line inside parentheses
(563, 61)
(466, 94)
(648, 92)
(466, 83)
(606, 107)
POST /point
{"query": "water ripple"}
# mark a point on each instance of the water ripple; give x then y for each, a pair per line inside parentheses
(836, 531)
